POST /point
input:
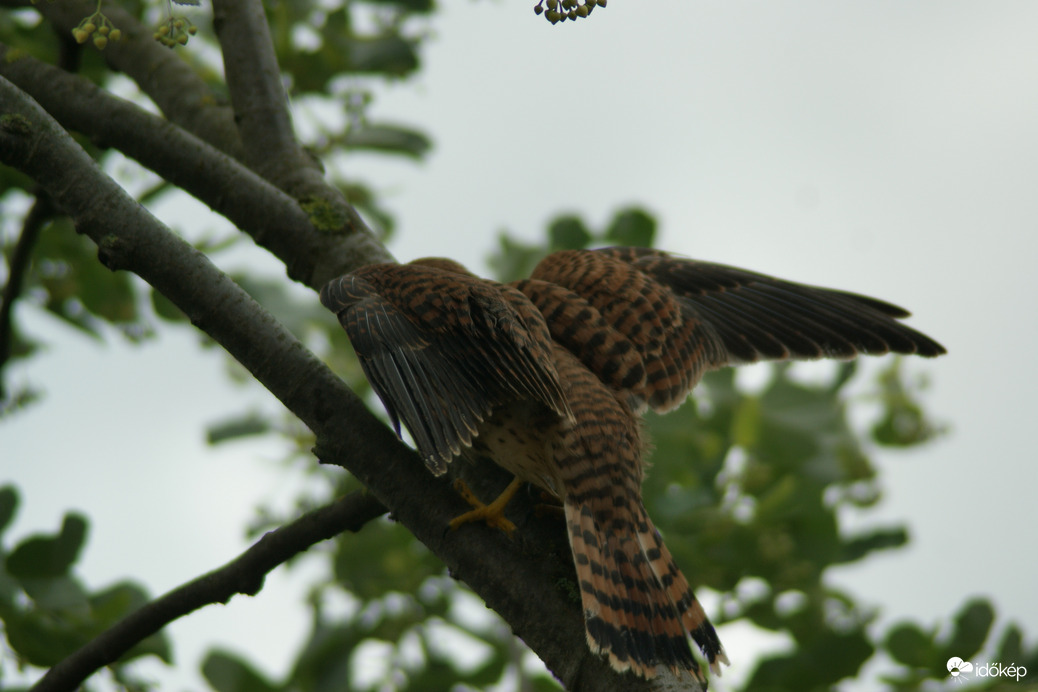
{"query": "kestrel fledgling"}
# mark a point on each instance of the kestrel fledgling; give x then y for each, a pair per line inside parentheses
(547, 377)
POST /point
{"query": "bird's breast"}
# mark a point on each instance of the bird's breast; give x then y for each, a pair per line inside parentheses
(519, 437)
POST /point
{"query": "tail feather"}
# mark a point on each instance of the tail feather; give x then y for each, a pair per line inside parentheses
(673, 582)
(638, 608)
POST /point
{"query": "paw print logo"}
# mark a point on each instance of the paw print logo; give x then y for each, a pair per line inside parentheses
(958, 668)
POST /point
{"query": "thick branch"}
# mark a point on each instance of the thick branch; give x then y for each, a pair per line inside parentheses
(185, 99)
(273, 219)
(524, 582)
(243, 575)
(262, 113)
(257, 94)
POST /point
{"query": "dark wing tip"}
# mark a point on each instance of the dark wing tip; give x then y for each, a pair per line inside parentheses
(759, 317)
(927, 347)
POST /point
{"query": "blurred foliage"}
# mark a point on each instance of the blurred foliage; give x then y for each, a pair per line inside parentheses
(748, 487)
(46, 610)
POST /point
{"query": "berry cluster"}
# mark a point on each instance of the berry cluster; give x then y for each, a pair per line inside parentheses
(174, 31)
(561, 10)
(98, 26)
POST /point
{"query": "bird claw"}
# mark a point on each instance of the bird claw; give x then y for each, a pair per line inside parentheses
(493, 514)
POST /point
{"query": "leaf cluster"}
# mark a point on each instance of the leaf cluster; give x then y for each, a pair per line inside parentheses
(46, 610)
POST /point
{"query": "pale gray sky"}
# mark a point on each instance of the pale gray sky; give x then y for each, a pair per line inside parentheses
(889, 148)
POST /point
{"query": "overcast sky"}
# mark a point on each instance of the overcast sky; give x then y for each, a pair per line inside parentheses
(889, 148)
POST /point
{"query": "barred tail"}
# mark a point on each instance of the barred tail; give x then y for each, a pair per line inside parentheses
(638, 608)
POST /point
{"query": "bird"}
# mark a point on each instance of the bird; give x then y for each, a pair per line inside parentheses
(549, 376)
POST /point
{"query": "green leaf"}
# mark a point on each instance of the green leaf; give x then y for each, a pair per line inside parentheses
(294, 311)
(390, 139)
(248, 425)
(543, 683)
(226, 672)
(903, 423)
(165, 308)
(8, 505)
(388, 54)
(409, 5)
(882, 539)
(568, 233)
(634, 227)
(815, 665)
(17, 399)
(910, 645)
(746, 422)
(514, 259)
(381, 558)
(19, 346)
(804, 428)
(42, 556)
(114, 603)
(79, 288)
(324, 662)
(972, 625)
(845, 372)
(40, 640)
(1011, 648)
(61, 594)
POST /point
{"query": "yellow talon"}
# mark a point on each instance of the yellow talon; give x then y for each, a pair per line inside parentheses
(493, 514)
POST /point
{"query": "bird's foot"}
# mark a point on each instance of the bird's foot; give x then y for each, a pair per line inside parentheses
(492, 515)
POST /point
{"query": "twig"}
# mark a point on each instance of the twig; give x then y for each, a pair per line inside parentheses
(17, 267)
(179, 92)
(243, 575)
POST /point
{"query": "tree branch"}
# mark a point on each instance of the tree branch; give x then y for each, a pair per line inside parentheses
(185, 99)
(257, 94)
(160, 73)
(509, 575)
(273, 219)
(262, 113)
(243, 575)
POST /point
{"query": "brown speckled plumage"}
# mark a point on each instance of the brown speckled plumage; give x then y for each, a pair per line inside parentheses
(547, 377)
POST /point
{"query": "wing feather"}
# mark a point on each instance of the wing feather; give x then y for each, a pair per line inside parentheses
(441, 349)
(650, 323)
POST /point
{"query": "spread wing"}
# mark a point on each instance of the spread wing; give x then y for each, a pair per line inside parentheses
(442, 349)
(651, 323)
